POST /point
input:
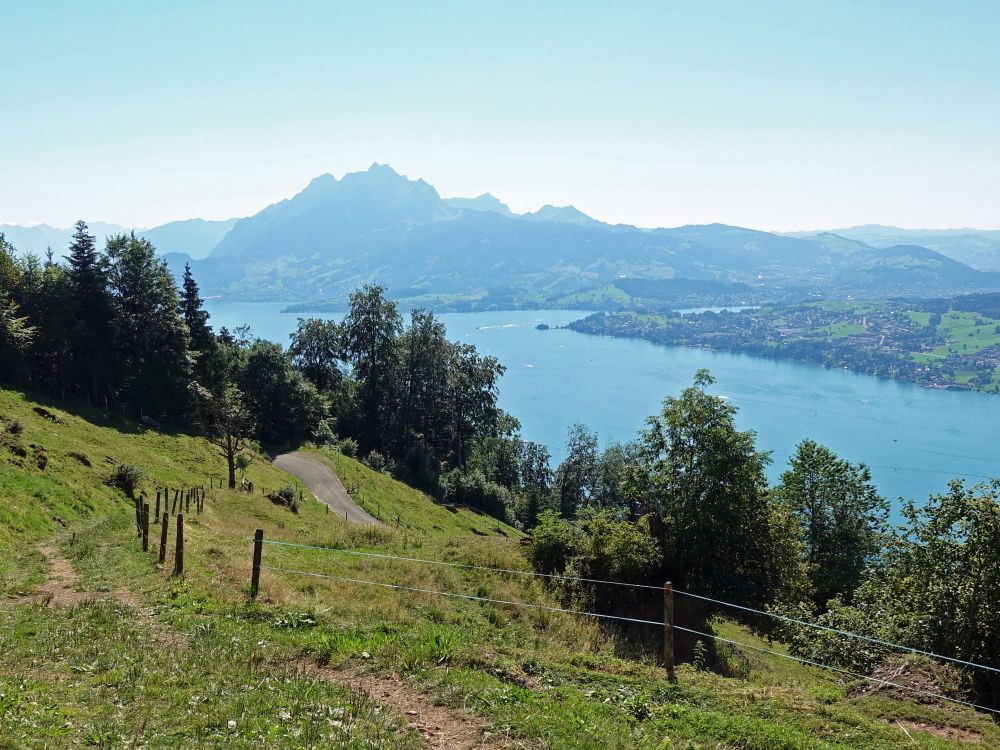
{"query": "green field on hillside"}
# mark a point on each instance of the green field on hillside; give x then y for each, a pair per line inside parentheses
(158, 661)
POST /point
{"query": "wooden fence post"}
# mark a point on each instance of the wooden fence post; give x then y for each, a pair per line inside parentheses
(258, 549)
(173, 509)
(145, 527)
(179, 548)
(163, 537)
(668, 627)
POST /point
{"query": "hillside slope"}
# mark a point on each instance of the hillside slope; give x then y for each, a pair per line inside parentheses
(348, 645)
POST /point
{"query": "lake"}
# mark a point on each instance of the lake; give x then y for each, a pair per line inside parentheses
(914, 439)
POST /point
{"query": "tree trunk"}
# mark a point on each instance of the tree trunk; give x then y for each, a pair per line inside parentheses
(231, 460)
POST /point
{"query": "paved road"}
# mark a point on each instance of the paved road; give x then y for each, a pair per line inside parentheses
(325, 485)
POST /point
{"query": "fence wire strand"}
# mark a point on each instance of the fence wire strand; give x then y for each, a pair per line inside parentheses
(681, 592)
(848, 672)
(528, 573)
(690, 631)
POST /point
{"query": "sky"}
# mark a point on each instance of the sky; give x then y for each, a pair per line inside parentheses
(772, 115)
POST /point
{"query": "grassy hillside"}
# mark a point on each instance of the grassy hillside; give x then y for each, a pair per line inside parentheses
(401, 506)
(166, 662)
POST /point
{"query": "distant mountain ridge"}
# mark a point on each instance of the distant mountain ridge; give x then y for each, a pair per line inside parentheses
(461, 253)
(977, 248)
(381, 226)
(194, 237)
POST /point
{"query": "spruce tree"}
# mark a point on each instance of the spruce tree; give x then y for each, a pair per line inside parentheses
(93, 333)
(194, 314)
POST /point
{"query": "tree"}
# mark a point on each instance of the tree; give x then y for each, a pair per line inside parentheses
(16, 331)
(371, 331)
(93, 334)
(423, 415)
(840, 515)
(226, 423)
(46, 296)
(191, 308)
(936, 588)
(317, 347)
(151, 345)
(286, 407)
(704, 480)
(576, 476)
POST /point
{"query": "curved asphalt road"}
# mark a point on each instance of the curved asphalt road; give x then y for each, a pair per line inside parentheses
(325, 485)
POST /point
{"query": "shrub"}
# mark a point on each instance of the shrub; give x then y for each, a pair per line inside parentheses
(377, 462)
(347, 447)
(553, 542)
(286, 496)
(324, 434)
(16, 427)
(127, 478)
(474, 489)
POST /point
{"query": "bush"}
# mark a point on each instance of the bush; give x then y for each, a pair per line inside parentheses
(287, 496)
(127, 478)
(347, 447)
(16, 427)
(474, 489)
(621, 550)
(554, 542)
(377, 462)
(324, 434)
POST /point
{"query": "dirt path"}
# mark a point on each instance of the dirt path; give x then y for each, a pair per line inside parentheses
(441, 727)
(59, 588)
(325, 485)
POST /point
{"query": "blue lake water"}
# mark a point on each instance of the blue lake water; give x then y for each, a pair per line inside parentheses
(914, 439)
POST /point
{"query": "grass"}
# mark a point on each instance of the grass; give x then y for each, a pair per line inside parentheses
(966, 333)
(188, 656)
(398, 505)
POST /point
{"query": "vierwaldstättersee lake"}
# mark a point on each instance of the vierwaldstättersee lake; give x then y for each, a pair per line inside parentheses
(914, 439)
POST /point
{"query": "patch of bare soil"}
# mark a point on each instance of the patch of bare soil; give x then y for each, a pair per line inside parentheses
(955, 734)
(441, 727)
(59, 588)
(911, 678)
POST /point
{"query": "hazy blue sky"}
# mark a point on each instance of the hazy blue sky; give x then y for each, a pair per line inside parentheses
(778, 115)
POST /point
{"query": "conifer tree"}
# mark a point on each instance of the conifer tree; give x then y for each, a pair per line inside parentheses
(93, 333)
(194, 314)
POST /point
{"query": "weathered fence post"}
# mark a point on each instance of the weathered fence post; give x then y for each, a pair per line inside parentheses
(138, 518)
(668, 627)
(258, 549)
(187, 502)
(173, 509)
(163, 537)
(179, 548)
(145, 527)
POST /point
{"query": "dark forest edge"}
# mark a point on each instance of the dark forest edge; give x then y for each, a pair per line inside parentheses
(688, 500)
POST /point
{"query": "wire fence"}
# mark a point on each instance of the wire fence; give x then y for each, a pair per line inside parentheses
(629, 620)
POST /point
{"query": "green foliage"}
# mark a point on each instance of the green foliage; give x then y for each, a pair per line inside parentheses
(554, 542)
(472, 488)
(704, 480)
(841, 518)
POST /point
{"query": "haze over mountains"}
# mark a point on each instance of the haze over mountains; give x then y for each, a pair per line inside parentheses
(195, 237)
(378, 225)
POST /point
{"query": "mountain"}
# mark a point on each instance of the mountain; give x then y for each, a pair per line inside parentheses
(563, 214)
(381, 226)
(194, 237)
(484, 202)
(977, 248)
(39, 237)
